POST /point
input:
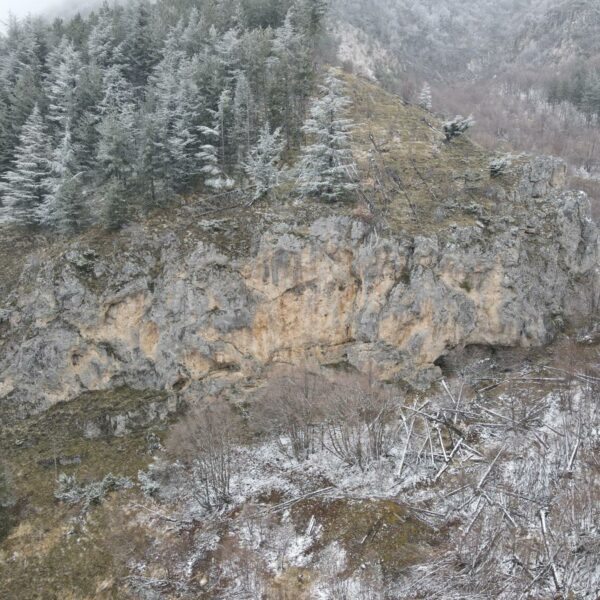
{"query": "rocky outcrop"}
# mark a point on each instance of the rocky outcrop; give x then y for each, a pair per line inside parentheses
(169, 314)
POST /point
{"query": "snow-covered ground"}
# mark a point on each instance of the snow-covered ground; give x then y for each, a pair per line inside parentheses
(504, 480)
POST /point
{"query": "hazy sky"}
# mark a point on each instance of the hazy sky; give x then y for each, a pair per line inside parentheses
(20, 8)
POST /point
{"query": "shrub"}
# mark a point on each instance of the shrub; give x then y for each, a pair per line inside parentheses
(346, 415)
(457, 126)
(205, 442)
(498, 166)
(148, 483)
(362, 421)
(68, 490)
(291, 406)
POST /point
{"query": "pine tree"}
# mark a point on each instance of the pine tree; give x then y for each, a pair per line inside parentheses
(64, 206)
(102, 40)
(212, 170)
(224, 118)
(425, 97)
(185, 141)
(553, 92)
(209, 73)
(262, 163)
(25, 184)
(242, 116)
(62, 86)
(116, 157)
(591, 97)
(227, 49)
(117, 144)
(155, 169)
(21, 74)
(138, 51)
(327, 168)
(192, 36)
(7, 142)
(291, 79)
(311, 14)
(117, 91)
(213, 174)
(160, 145)
(84, 129)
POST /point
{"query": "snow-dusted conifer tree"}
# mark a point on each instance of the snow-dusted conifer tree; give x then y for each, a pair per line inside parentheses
(185, 139)
(311, 14)
(425, 97)
(154, 166)
(292, 73)
(209, 157)
(327, 168)
(242, 116)
(193, 35)
(138, 52)
(227, 48)
(84, 130)
(102, 39)
(212, 153)
(21, 75)
(64, 206)
(118, 91)
(591, 97)
(25, 184)
(261, 165)
(62, 84)
(161, 144)
(116, 147)
(457, 126)
(116, 154)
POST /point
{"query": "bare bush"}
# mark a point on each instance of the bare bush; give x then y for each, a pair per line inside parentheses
(292, 406)
(362, 421)
(205, 442)
(346, 415)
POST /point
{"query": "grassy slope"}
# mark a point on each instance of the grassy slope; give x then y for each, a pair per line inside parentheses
(48, 552)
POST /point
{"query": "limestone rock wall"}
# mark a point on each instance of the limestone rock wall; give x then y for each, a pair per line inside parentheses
(170, 317)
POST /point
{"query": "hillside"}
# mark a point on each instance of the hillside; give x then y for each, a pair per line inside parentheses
(563, 33)
(456, 40)
(527, 71)
(307, 399)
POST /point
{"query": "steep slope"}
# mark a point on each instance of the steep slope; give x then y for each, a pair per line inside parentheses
(452, 40)
(106, 339)
(440, 255)
(560, 34)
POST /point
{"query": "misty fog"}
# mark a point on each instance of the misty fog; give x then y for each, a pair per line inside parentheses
(21, 8)
(51, 8)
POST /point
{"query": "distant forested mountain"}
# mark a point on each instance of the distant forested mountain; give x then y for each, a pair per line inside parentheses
(529, 71)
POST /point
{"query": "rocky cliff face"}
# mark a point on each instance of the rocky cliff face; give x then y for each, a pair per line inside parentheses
(168, 311)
